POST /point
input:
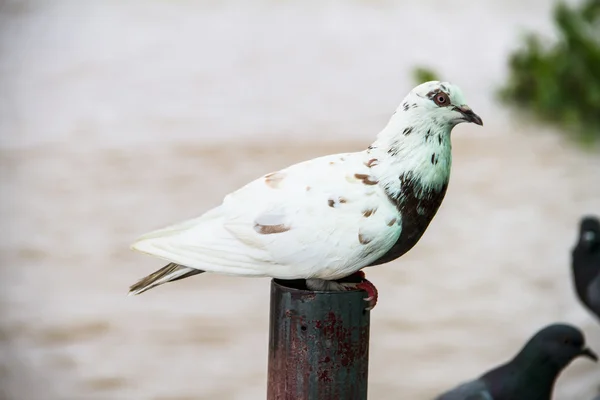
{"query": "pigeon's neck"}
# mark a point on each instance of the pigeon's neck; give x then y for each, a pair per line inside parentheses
(530, 375)
(413, 147)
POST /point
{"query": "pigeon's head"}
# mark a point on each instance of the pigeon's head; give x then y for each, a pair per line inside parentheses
(557, 345)
(441, 102)
(589, 232)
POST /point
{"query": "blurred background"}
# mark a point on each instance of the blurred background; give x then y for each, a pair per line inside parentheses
(118, 117)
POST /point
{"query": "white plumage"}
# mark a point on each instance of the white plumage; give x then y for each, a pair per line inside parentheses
(311, 239)
(324, 218)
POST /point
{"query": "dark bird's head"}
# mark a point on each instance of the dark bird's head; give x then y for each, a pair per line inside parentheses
(531, 374)
(589, 233)
(557, 345)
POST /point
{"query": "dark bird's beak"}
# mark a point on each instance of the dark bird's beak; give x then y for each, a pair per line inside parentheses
(469, 115)
(586, 352)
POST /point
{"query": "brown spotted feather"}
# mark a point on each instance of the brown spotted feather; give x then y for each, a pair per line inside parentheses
(271, 229)
(274, 179)
(366, 179)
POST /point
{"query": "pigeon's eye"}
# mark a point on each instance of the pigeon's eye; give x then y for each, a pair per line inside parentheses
(441, 99)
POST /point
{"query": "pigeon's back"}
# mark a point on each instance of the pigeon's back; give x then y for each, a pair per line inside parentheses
(474, 390)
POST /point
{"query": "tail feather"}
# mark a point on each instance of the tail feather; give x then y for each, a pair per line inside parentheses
(169, 273)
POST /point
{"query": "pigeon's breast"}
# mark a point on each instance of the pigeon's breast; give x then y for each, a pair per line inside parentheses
(417, 207)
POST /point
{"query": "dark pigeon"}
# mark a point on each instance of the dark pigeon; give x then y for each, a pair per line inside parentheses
(531, 374)
(585, 264)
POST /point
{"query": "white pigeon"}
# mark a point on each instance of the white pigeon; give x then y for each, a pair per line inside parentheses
(325, 219)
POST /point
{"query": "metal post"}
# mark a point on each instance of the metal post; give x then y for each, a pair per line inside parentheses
(318, 344)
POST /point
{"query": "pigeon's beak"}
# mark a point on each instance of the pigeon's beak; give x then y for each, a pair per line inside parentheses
(586, 352)
(469, 115)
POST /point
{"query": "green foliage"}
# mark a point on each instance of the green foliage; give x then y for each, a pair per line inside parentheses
(560, 83)
(423, 74)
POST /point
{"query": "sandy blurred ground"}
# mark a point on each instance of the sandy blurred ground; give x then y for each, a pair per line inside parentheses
(109, 133)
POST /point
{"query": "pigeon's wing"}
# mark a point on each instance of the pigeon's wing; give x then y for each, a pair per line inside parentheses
(593, 294)
(324, 218)
(474, 390)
